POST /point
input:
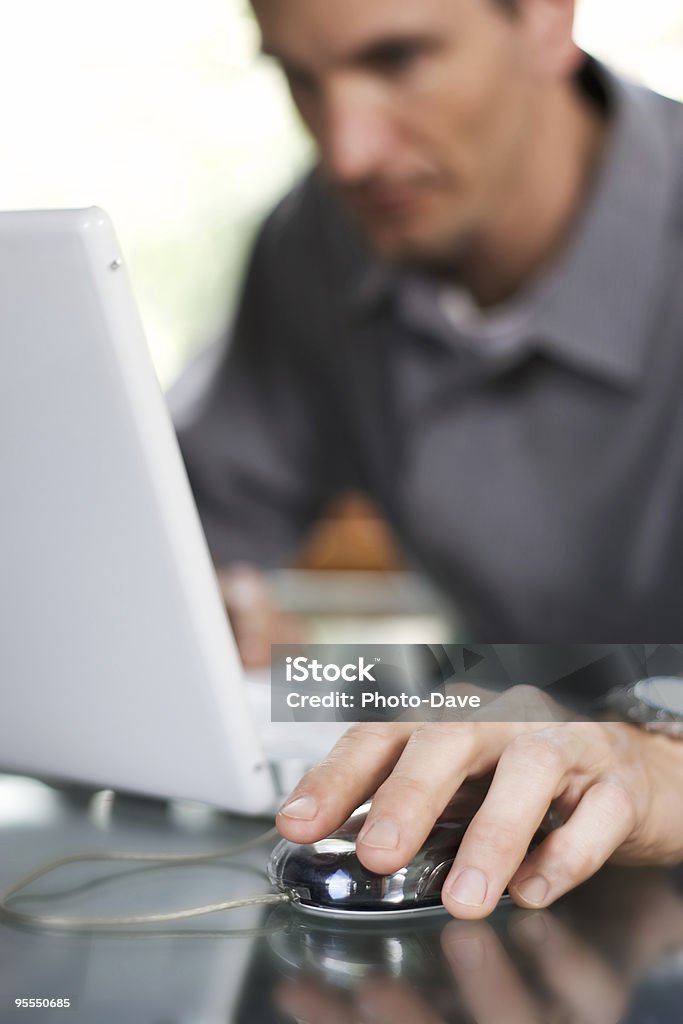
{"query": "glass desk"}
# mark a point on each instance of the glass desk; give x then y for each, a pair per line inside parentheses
(611, 951)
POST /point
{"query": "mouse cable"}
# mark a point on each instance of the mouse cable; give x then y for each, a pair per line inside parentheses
(168, 859)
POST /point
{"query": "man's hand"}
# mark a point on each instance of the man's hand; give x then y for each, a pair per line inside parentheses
(255, 617)
(618, 789)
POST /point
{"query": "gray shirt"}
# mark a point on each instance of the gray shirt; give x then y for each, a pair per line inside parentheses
(539, 480)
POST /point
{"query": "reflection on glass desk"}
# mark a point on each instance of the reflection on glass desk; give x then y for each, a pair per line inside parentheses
(610, 952)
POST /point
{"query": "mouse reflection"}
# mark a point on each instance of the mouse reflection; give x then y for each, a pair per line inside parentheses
(583, 960)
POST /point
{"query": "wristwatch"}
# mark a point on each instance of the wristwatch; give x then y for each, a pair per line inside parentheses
(655, 703)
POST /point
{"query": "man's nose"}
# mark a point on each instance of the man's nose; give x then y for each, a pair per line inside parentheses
(357, 138)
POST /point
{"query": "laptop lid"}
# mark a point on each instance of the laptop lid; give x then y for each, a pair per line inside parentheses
(118, 665)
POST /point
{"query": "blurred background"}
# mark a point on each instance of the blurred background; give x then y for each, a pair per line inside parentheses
(165, 115)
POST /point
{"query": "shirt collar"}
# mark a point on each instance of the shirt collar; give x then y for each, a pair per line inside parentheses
(592, 308)
(599, 299)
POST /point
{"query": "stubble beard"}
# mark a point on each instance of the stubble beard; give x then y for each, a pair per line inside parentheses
(441, 257)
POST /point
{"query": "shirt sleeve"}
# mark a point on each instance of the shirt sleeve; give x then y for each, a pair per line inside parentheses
(256, 453)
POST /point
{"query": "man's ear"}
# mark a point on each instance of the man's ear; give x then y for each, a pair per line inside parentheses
(549, 27)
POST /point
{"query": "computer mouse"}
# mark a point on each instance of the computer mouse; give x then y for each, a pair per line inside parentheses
(326, 878)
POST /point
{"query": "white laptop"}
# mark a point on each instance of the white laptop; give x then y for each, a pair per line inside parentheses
(117, 664)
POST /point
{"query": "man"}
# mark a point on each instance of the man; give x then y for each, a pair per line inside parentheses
(471, 309)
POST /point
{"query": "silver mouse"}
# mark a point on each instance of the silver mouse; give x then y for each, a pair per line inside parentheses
(327, 878)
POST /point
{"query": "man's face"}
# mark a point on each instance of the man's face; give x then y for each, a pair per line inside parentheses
(423, 111)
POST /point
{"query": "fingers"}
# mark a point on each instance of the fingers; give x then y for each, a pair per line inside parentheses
(579, 981)
(583, 985)
(315, 1004)
(530, 772)
(486, 978)
(523, 704)
(256, 620)
(436, 760)
(250, 608)
(389, 1000)
(602, 821)
(414, 772)
(351, 773)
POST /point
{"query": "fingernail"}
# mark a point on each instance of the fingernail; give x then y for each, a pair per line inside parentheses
(294, 1003)
(247, 590)
(369, 1011)
(468, 954)
(469, 887)
(303, 808)
(383, 834)
(533, 890)
(291, 1010)
(532, 930)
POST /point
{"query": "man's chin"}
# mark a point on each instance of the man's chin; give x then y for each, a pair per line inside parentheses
(417, 253)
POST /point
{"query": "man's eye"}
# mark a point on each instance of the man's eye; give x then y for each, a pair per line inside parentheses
(394, 57)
